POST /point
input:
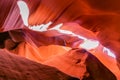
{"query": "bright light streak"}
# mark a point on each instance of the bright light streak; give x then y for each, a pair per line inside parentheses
(57, 27)
(109, 52)
(89, 44)
(41, 28)
(24, 11)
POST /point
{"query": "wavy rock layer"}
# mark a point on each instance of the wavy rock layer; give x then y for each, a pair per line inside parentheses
(81, 64)
(13, 67)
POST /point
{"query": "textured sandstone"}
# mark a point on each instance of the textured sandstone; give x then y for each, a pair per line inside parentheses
(13, 67)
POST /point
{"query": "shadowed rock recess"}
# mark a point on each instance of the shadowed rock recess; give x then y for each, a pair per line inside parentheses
(97, 70)
(13, 67)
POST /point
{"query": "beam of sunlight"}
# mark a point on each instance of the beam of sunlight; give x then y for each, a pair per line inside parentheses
(24, 11)
(57, 27)
(88, 44)
(109, 52)
(41, 27)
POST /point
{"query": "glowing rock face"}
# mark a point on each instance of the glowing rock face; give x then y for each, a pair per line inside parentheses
(81, 64)
(87, 19)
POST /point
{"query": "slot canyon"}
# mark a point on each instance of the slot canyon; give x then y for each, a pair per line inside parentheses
(59, 39)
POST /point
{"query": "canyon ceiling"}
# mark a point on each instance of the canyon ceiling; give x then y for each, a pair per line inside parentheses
(63, 26)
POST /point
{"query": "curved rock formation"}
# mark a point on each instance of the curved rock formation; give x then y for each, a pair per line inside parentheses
(92, 19)
(81, 64)
(13, 67)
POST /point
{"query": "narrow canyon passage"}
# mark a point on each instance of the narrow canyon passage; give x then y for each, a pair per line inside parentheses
(56, 40)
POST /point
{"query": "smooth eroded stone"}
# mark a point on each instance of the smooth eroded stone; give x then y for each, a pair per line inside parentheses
(13, 67)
